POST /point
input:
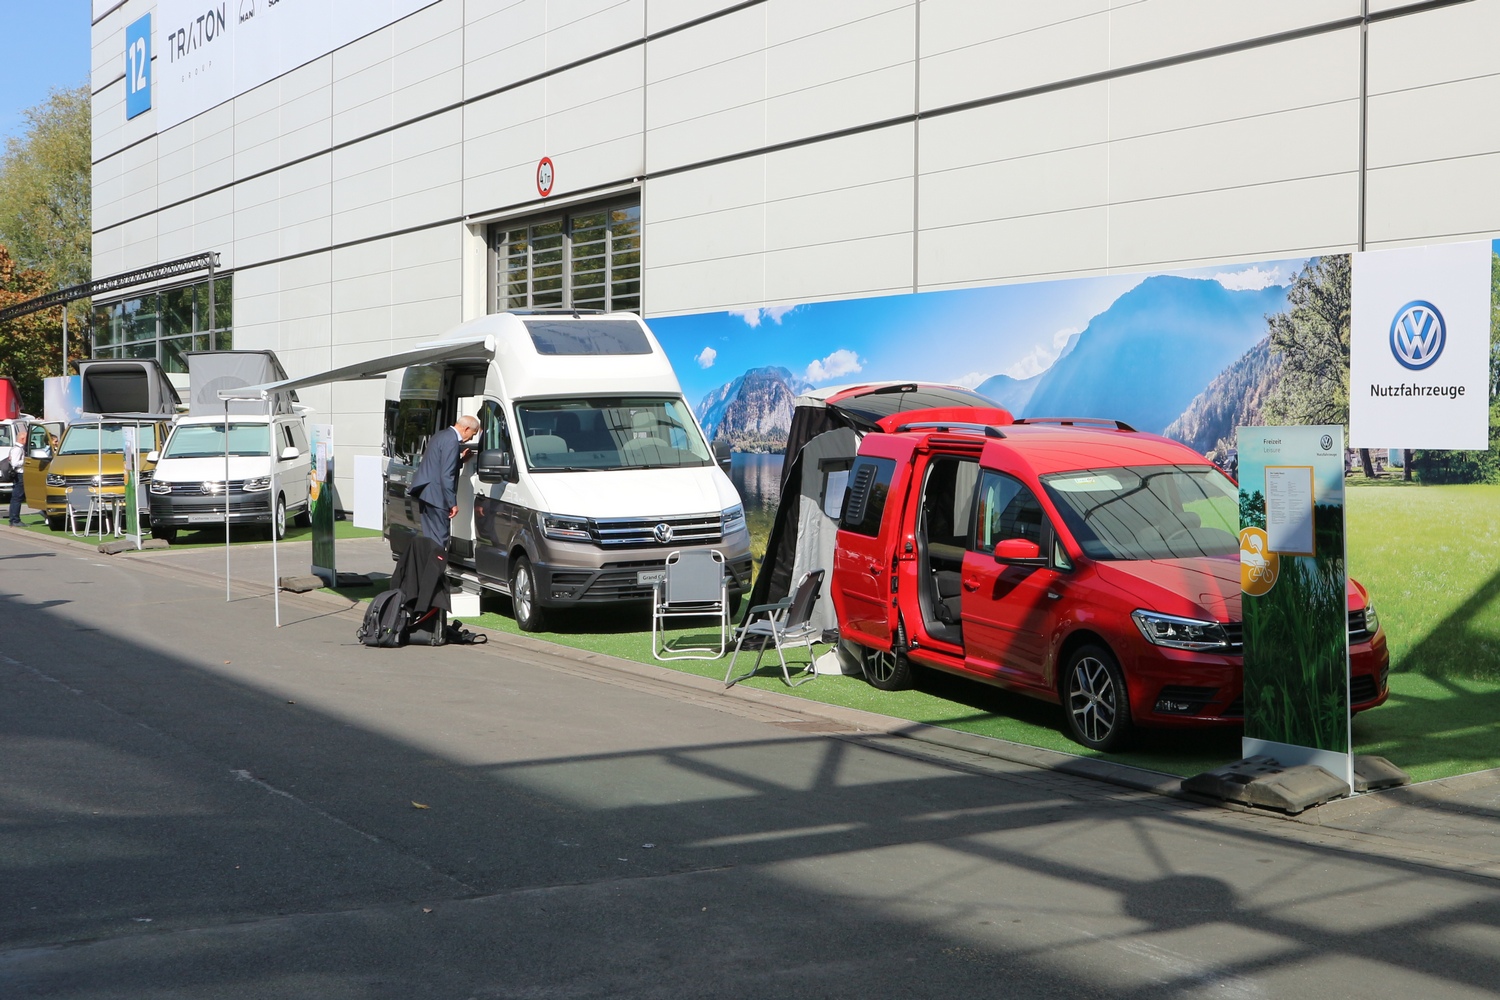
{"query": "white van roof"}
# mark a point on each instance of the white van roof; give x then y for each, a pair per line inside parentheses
(566, 353)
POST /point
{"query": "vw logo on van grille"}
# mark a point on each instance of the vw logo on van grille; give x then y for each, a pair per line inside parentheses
(662, 532)
(1418, 335)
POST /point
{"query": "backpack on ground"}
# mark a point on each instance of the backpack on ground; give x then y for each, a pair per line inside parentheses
(385, 621)
(429, 630)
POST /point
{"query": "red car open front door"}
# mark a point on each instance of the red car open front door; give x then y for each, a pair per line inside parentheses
(1008, 610)
(869, 532)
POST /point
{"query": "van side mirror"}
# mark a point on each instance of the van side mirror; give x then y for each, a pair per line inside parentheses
(495, 466)
(42, 454)
(289, 454)
(722, 454)
(153, 457)
(1019, 552)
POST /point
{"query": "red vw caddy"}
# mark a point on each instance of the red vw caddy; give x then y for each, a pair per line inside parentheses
(1076, 561)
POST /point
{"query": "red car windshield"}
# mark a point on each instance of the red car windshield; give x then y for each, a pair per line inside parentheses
(1148, 511)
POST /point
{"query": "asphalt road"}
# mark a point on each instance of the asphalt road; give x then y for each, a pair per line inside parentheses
(193, 804)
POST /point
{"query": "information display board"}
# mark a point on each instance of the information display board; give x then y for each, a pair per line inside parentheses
(130, 438)
(1295, 601)
(323, 503)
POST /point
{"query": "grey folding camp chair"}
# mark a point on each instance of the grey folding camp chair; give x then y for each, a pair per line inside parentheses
(785, 623)
(694, 587)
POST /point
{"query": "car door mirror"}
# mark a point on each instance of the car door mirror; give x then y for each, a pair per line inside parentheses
(153, 457)
(42, 454)
(495, 466)
(1019, 552)
(289, 454)
(722, 454)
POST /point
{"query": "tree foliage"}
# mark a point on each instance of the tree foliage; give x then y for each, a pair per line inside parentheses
(30, 347)
(45, 195)
(1312, 338)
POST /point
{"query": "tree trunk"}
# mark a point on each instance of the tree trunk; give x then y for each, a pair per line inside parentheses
(1406, 464)
(1364, 460)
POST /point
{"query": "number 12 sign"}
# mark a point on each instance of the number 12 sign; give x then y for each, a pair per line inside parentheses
(138, 67)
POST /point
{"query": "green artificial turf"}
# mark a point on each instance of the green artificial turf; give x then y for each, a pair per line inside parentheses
(204, 537)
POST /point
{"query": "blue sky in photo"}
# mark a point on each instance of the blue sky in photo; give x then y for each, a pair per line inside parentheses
(959, 336)
(48, 49)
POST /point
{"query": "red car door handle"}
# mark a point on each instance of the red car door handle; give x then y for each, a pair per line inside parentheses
(874, 569)
(971, 584)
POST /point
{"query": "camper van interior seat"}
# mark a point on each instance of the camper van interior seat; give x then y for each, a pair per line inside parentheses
(694, 587)
(788, 622)
(546, 444)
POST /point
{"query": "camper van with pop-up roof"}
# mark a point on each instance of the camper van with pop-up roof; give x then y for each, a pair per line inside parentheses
(589, 468)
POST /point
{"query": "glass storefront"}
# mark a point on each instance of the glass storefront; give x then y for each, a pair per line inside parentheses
(167, 324)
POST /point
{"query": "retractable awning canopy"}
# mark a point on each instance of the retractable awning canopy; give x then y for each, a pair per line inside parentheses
(475, 348)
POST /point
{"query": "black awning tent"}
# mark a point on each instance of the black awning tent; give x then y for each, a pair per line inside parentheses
(827, 426)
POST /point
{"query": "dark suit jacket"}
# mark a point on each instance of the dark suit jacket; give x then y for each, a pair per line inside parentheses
(436, 481)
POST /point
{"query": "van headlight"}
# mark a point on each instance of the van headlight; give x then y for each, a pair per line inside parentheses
(1180, 633)
(733, 518)
(54, 479)
(258, 485)
(566, 529)
(159, 486)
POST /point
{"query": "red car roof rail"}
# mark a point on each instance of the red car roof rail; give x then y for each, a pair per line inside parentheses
(987, 430)
(1118, 425)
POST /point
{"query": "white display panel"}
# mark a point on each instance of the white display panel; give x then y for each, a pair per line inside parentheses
(209, 53)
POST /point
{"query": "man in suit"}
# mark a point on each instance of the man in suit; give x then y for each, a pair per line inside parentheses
(435, 486)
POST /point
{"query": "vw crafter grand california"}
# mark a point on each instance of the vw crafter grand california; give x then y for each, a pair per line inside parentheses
(589, 466)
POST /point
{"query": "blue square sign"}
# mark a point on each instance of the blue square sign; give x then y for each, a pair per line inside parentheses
(138, 67)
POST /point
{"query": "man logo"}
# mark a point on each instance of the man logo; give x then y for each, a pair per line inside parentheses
(663, 533)
(247, 10)
(1418, 335)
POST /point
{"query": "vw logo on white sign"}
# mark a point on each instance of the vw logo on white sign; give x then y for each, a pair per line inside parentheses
(1418, 335)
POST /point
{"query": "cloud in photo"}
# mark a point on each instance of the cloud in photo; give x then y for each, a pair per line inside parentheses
(1043, 355)
(706, 357)
(1251, 279)
(971, 380)
(839, 363)
(753, 317)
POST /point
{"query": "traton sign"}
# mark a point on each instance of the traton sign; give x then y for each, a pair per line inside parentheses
(1419, 347)
(209, 51)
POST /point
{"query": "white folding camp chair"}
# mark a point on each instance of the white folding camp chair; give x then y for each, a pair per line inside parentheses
(785, 623)
(694, 587)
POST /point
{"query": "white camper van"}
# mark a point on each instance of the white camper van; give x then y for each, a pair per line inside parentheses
(590, 465)
(263, 463)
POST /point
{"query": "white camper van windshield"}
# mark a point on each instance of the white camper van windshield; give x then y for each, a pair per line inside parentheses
(587, 336)
(572, 435)
(207, 440)
(84, 439)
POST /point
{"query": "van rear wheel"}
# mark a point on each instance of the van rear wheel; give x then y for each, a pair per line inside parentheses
(889, 669)
(523, 597)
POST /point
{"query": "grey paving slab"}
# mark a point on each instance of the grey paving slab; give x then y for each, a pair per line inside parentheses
(507, 821)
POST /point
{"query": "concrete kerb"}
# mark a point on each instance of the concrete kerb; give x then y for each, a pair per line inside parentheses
(839, 722)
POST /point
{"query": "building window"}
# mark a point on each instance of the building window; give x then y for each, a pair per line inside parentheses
(589, 258)
(167, 324)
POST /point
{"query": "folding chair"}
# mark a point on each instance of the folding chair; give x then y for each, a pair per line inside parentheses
(782, 624)
(83, 502)
(694, 587)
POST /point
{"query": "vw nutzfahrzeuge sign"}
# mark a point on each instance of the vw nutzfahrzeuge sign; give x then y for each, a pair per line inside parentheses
(1419, 347)
(1418, 335)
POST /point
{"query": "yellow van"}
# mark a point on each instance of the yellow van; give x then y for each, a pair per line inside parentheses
(90, 457)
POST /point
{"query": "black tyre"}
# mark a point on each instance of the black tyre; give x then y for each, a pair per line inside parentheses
(278, 519)
(168, 535)
(1096, 704)
(888, 669)
(523, 596)
(57, 523)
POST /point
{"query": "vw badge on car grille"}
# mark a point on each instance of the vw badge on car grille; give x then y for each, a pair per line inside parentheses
(663, 532)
